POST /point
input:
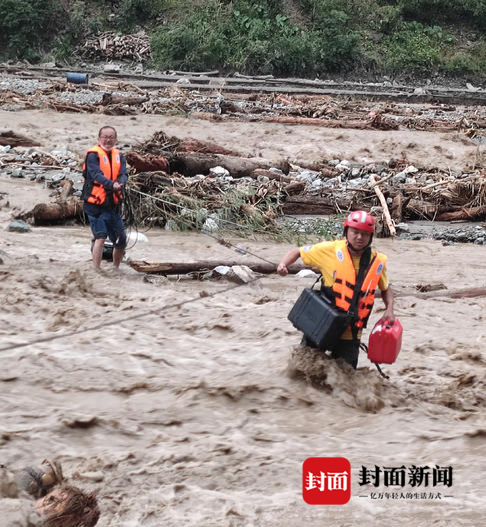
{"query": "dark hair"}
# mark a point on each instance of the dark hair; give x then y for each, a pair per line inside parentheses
(106, 127)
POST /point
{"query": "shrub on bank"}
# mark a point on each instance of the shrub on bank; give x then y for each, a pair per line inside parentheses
(254, 39)
(306, 38)
(25, 26)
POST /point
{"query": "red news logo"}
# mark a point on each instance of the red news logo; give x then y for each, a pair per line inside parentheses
(326, 480)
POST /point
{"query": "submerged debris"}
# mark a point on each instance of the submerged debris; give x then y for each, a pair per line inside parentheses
(56, 504)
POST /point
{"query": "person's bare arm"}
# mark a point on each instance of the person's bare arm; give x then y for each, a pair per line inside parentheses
(388, 314)
(289, 258)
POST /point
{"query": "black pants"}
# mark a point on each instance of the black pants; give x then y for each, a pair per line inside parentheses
(348, 350)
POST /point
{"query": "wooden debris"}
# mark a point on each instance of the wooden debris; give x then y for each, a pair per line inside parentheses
(417, 193)
(426, 288)
(472, 213)
(13, 139)
(396, 208)
(386, 212)
(147, 162)
(68, 506)
(295, 188)
(206, 147)
(116, 47)
(208, 116)
(421, 209)
(376, 122)
(272, 175)
(67, 187)
(64, 208)
(119, 109)
(110, 98)
(299, 205)
(53, 212)
(204, 266)
(467, 292)
(191, 164)
(328, 123)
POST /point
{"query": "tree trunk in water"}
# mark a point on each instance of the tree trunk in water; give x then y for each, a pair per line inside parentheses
(203, 266)
(311, 205)
(463, 214)
(50, 212)
(467, 292)
(13, 139)
(189, 164)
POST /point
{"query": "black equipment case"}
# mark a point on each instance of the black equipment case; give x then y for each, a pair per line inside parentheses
(320, 320)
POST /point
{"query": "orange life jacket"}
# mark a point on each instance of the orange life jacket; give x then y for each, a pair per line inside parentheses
(345, 281)
(110, 171)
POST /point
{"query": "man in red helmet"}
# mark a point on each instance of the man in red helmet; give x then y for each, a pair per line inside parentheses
(351, 271)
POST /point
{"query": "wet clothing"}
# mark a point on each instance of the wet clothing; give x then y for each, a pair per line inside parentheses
(107, 224)
(336, 265)
(345, 276)
(101, 201)
(347, 350)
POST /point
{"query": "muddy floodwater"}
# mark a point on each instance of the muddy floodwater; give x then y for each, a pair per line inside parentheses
(186, 402)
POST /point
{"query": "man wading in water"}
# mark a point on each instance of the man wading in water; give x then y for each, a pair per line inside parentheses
(105, 175)
(344, 264)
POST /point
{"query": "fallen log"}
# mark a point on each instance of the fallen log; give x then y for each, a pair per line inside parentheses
(51, 212)
(190, 144)
(382, 123)
(204, 266)
(147, 162)
(190, 164)
(467, 292)
(328, 123)
(110, 98)
(295, 188)
(420, 208)
(12, 139)
(297, 205)
(377, 122)
(463, 214)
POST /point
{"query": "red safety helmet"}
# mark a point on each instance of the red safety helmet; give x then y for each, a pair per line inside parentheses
(361, 220)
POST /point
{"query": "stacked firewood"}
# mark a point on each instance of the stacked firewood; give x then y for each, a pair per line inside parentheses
(118, 47)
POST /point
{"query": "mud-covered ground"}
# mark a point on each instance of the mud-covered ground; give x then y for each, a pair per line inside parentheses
(190, 403)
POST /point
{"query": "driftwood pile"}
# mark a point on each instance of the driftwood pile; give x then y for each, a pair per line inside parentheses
(186, 182)
(193, 174)
(127, 98)
(38, 496)
(118, 47)
(195, 182)
(182, 172)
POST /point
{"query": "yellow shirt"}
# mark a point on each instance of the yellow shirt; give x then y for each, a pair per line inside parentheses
(323, 256)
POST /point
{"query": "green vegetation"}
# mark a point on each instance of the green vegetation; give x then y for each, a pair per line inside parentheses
(24, 24)
(304, 38)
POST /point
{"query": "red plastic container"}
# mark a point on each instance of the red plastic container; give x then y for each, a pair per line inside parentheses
(385, 342)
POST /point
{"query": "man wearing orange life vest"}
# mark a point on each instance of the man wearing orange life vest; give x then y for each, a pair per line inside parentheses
(340, 262)
(105, 174)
